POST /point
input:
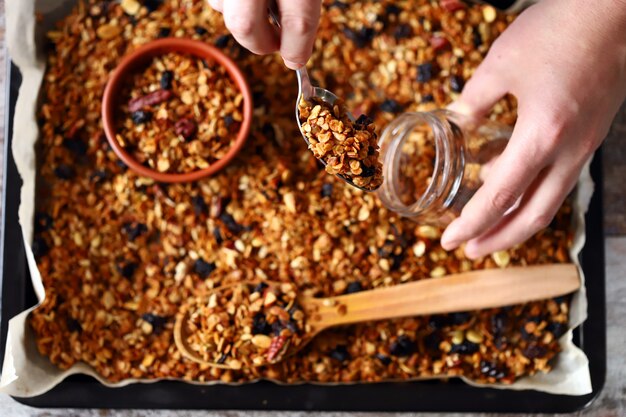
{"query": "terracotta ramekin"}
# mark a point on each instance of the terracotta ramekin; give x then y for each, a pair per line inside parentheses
(140, 57)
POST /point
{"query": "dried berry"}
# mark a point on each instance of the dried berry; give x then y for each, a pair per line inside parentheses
(222, 41)
(199, 205)
(99, 176)
(499, 323)
(73, 325)
(456, 83)
(338, 4)
(424, 72)
(439, 43)
(43, 222)
(492, 370)
(534, 351)
(391, 106)
(327, 190)
(152, 5)
(367, 171)
(64, 172)
(140, 117)
(186, 128)
(477, 39)
(384, 359)
(402, 346)
(403, 31)
(439, 321)
(200, 30)
(134, 229)
(158, 322)
(556, 328)
(260, 287)
(363, 121)
(150, 99)
(392, 9)
(203, 268)
(260, 325)
(432, 341)
(460, 318)
(217, 234)
(222, 359)
(465, 348)
(228, 121)
(76, 146)
(166, 80)
(428, 98)
(340, 353)
(127, 270)
(230, 223)
(39, 247)
(164, 32)
(360, 37)
(354, 286)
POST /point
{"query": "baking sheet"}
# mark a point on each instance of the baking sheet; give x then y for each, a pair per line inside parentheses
(26, 373)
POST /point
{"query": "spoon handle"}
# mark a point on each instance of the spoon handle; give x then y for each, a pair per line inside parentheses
(459, 292)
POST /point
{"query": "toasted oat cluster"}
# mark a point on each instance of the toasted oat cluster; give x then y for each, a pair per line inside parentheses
(182, 114)
(119, 254)
(246, 325)
(348, 149)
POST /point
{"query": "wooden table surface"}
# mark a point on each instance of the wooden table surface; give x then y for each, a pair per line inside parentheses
(612, 401)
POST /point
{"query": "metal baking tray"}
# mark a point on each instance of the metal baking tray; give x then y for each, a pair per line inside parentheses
(451, 396)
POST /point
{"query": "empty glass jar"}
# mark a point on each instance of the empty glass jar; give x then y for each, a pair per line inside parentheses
(433, 162)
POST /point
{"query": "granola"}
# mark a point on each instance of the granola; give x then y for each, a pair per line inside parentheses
(120, 254)
(183, 113)
(245, 325)
(348, 149)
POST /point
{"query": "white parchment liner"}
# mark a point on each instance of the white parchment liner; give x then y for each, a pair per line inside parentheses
(26, 373)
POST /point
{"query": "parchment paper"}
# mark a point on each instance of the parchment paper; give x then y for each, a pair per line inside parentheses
(26, 373)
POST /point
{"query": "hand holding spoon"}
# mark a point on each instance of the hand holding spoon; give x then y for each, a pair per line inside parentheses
(459, 292)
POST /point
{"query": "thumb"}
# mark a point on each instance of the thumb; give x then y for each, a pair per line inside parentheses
(481, 92)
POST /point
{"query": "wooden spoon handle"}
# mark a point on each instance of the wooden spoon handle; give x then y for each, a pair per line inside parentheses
(459, 292)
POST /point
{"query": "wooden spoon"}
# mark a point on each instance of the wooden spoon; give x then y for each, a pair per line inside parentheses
(459, 292)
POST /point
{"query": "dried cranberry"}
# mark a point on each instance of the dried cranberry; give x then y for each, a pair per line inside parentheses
(452, 5)
(203, 268)
(186, 127)
(354, 286)
(403, 346)
(439, 43)
(340, 353)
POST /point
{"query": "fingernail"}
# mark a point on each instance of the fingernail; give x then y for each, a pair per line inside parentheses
(450, 239)
(292, 65)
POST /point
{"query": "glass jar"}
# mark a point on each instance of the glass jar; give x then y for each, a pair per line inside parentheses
(433, 162)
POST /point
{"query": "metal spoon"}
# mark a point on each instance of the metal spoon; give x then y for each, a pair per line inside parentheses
(466, 291)
(307, 91)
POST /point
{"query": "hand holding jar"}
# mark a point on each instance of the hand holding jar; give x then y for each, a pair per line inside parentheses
(565, 62)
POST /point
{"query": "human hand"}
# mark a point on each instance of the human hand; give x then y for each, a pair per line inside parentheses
(565, 62)
(248, 21)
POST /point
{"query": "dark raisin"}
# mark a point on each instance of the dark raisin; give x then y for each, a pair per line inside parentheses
(228, 121)
(43, 222)
(340, 353)
(222, 359)
(392, 9)
(477, 40)
(217, 234)
(187, 128)
(499, 323)
(561, 299)
(230, 223)
(200, 30)
(166, 80)
(292, 326)
(557, 329)
(428, 98)
(259, 324)
(432, 341)
(391, 106)
(277, 327)
(403, 346)
(40, 247)
(533, 351)
(456, 83)
(465, 348)
(384, 359)
(403, 31)
(152, 5)
(140, 117)
(525, 335)
(363, 121)
(76, 146)
(73, 325)
(354, 286)
(222, 41)
(134, 230)
(260, 287)
(367, 171)
(203, 268)
(64, 172)
(327, 190)
(158, 322)
(360, 37)
(199, 205)
(127, 270)
(460, 318)
(425, 72)
(438, 322)
(164, 32)
(338, 4)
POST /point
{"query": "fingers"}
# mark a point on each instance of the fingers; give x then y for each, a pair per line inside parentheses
(217, 5)
(509, 177)
(541, 202)
(248, 22)
(299, 20)
(481, 92)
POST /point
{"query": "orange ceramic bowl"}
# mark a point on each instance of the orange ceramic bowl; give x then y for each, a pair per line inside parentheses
(141, 57)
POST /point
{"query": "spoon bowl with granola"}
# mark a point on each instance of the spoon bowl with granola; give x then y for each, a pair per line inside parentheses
(257, 323)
